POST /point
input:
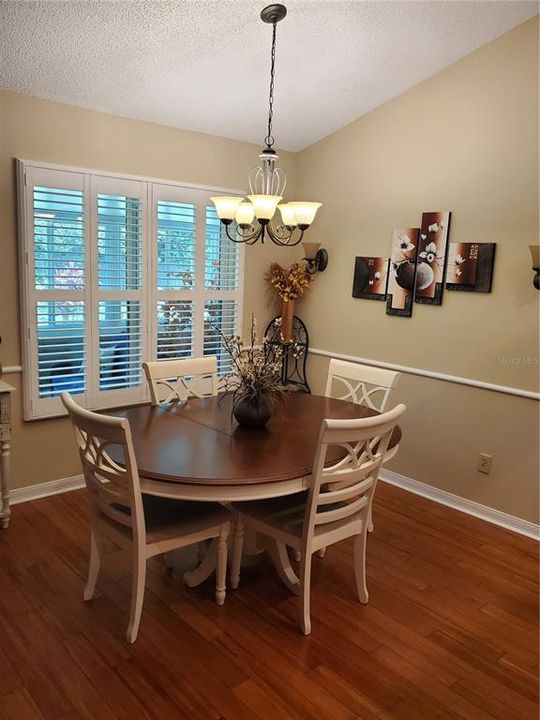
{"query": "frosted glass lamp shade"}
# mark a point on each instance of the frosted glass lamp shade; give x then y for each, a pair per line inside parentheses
(245, 213)
(288, 215)
(310, 250)
(264, 205)
(226, 206)
(305, 212)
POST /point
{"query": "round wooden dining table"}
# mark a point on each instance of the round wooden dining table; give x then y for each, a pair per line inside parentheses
(197, 451)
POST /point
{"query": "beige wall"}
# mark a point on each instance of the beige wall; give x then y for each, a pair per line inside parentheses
(465, 140)
(40, 130)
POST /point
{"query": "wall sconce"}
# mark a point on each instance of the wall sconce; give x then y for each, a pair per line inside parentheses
(535, 255)
(316, 259)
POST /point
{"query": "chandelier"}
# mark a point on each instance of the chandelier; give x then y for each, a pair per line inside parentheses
(266, 183)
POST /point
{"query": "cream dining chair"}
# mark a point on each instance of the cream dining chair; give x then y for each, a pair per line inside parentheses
(181, 378)
(154, 525)
(176, 380)
(335, 507)
(361, 384)
(364, 385)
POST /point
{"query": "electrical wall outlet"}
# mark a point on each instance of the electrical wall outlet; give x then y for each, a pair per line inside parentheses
(484, 463)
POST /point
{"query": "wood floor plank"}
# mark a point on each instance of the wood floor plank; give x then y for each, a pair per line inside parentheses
(9, 678)
(150, 693)
(432, 691)
(34, 673)
(361, 705)
(450, 631)
(19, 705)
(264, 702)
(499, 707)
(118, 696)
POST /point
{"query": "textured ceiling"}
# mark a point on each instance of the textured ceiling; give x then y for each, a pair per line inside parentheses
(204, 66)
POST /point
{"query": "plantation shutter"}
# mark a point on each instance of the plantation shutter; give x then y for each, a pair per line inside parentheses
(116, 271)
(196, 275)
(174, 271)
(119, 290)
(54, 271)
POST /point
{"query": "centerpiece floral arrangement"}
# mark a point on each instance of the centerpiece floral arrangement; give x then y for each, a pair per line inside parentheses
(289, 284)
(255, 380)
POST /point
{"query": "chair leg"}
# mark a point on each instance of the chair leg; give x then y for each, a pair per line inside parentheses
(238, 544)
(221, 570)
(320, 554)
(305, 585)
(360, 545)
(137, 595)
(370, 521)
(93, 568)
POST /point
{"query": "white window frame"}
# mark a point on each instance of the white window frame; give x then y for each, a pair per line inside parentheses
(150, 190)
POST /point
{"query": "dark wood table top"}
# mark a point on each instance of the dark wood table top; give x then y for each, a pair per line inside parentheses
(200, 443)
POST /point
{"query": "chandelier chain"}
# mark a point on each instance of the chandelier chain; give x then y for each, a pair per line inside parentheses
(269, 139)
(254, 219)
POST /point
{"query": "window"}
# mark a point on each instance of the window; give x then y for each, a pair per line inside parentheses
(116, 271)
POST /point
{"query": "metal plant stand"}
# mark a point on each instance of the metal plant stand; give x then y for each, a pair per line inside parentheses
(294, 357)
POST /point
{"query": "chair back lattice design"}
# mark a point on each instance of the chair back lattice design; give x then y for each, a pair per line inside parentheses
(113, 490)
(361, 384)
(342, 492)
(176, 380)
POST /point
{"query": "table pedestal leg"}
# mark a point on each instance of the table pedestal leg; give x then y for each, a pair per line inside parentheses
(253, 542)
(202, 572)
(278, 552)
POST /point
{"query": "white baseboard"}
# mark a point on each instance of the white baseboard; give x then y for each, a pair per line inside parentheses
(470, 507)
(510, 522)
(54, 487)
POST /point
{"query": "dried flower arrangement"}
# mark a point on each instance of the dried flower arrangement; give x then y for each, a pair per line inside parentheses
(256, 375)
(289, 283)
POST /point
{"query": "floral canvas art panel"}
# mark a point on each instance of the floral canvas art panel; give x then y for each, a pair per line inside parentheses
(470, 267)
(432, 253)
(462, 264)
(370, 278)
(402, 272)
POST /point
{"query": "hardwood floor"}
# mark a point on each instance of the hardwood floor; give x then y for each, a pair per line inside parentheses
(450, 630)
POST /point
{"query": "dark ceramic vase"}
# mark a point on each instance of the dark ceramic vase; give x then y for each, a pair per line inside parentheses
(254, 414)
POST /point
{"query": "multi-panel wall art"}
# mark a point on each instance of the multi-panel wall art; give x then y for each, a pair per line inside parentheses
(422, 263)
(370, 278)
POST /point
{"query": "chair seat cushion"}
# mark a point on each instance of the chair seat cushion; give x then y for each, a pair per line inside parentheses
(166, 518)
(285, 513)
